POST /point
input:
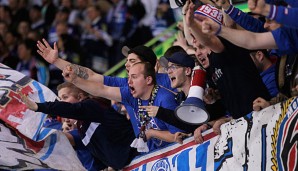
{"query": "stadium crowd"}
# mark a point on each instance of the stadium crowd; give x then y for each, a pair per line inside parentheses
(249, 60)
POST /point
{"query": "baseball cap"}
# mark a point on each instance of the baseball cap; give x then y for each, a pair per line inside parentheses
(180, 58)
(145, 53)
(211, 12)
(177, 3)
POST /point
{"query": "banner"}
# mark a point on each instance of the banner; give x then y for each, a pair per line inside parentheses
(264, 140)
(24, 143)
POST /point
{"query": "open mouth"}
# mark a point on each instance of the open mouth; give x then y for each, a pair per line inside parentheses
(203, 60)
(172, 78)
(132, 90)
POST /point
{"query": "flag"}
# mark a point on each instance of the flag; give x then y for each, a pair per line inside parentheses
(264, 140)
(24, 142)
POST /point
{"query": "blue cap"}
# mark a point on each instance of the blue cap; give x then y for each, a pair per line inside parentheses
(182, 59)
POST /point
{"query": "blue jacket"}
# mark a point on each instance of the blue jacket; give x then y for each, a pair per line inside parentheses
(284, 15)
(106, 133)
(246, 21)
(268, 77)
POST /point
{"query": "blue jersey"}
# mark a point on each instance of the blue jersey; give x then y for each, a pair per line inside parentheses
(292, 3)
(161, 79)
(286, 40)
(246, 21)
(165, 99)
(268, 77)
(284, 15)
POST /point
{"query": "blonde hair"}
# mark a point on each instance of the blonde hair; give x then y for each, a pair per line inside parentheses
(73, 88)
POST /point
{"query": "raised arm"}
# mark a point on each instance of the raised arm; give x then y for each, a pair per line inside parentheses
(51, 56)
(82, 110)
(92, 87)
(280, 14)
(195, 27)
(185, 26)
(243, 19)
(242, 38)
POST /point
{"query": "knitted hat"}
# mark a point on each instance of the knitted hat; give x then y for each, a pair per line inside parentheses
(211, 12)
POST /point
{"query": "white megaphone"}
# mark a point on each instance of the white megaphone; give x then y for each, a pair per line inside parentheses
(192, 110)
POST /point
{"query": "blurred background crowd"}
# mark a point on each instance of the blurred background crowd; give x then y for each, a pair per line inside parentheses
(87, 32)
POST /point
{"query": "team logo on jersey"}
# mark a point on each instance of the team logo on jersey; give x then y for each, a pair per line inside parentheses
(161, 165)
(217, 75)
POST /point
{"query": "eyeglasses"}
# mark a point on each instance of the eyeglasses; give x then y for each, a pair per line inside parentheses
(172, 68)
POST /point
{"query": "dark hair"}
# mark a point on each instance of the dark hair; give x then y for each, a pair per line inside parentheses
(173, 49)
(64, 10)
(36, 8)
(148, 70)
(144, 53)
(29, 44)
(264, 51)
(7, 9)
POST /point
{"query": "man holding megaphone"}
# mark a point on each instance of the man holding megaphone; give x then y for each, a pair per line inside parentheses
(181, 70)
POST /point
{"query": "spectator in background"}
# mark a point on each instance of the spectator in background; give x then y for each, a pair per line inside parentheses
(69, 48)
(69, 4)
(5, 15)
(266, 69)
(6, 57)
(79, 13)
(66, 4)
(34, 35)
(48, 12)
(95, 40)
(142, 14)
(164, 18)
(3, 28)
(104, 6)
(261, 103)
(23, 29)
(116, 19)
(19, 13)
(29, 65)
(62, 17)
(36, 20)
(11, 39)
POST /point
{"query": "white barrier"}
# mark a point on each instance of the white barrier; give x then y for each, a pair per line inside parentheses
(260, 141)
